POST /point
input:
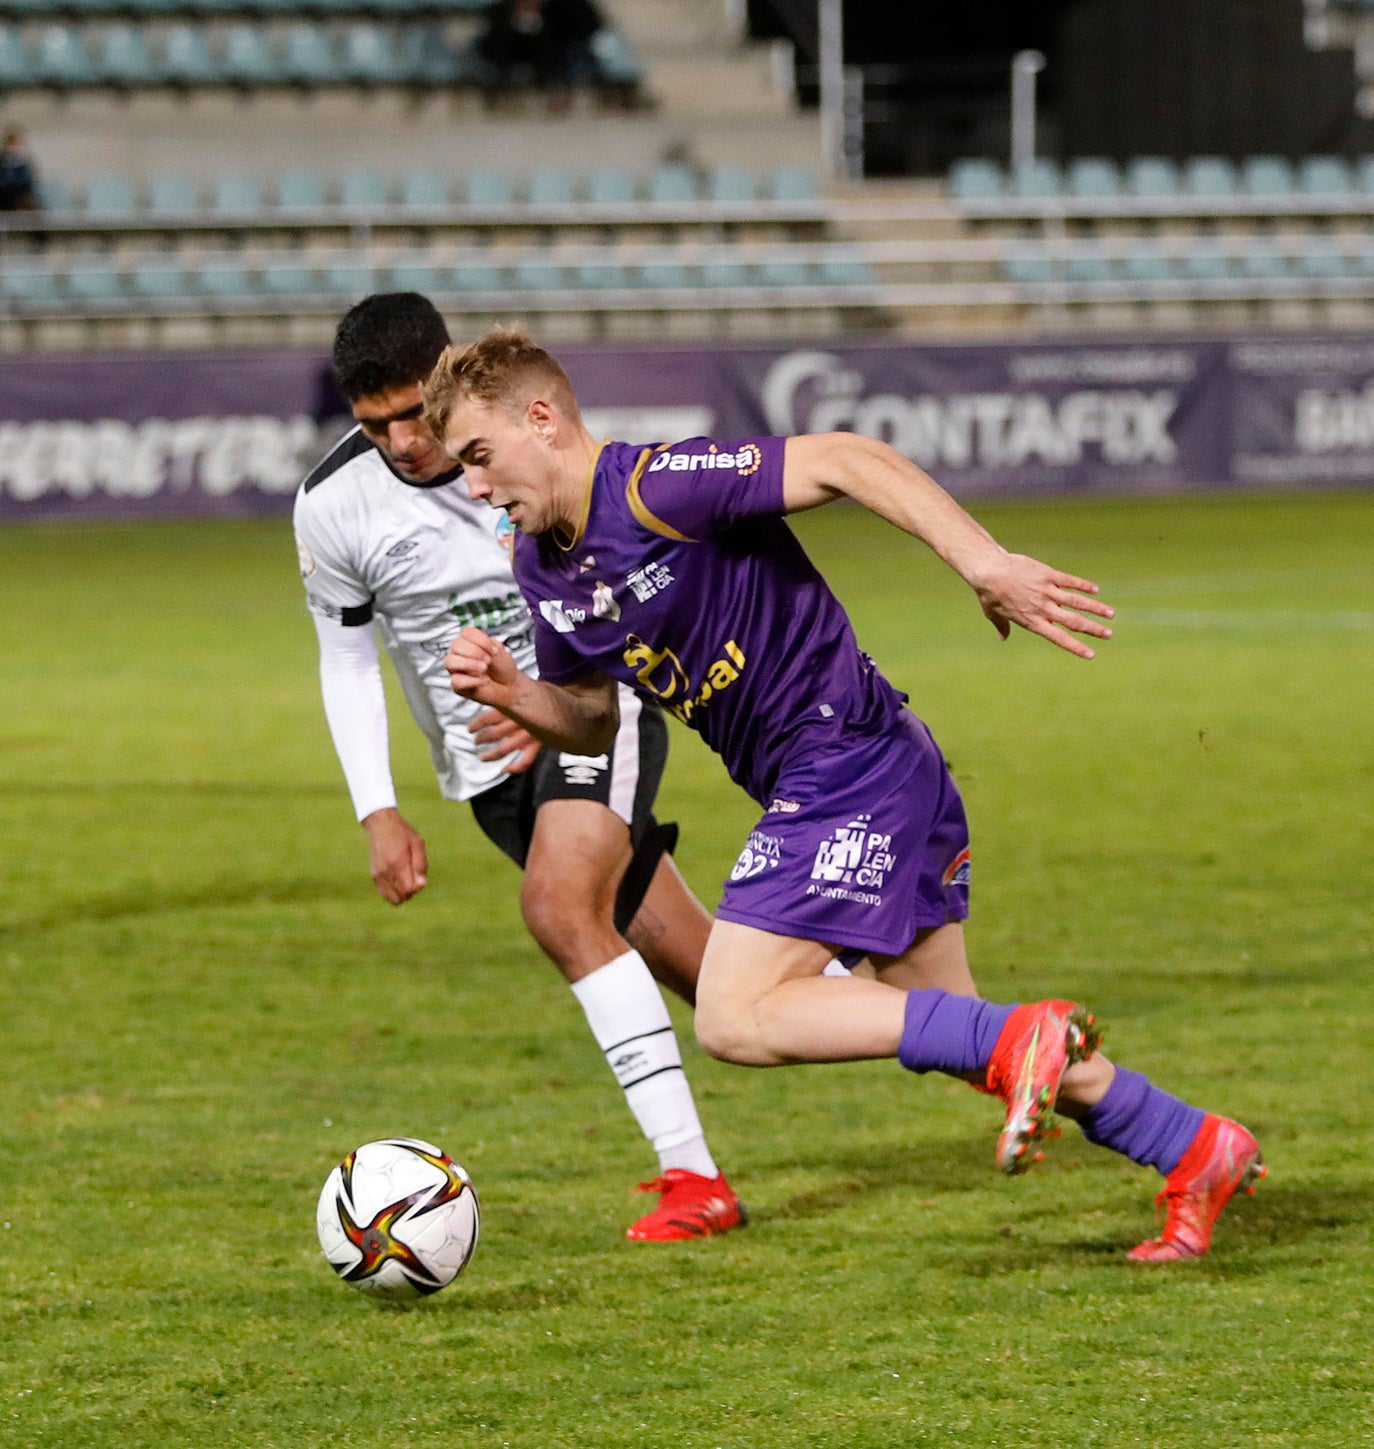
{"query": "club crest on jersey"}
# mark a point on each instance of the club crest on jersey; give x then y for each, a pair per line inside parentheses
(505, 531)
(604, 605)
(307, 559)
(402, 550)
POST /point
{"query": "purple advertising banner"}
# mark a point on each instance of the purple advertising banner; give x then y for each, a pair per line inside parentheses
(175, 434)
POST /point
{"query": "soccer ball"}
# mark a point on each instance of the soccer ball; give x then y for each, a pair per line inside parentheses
(398, 1218)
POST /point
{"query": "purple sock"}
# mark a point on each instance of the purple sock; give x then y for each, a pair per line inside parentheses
(1138, 1120)
(945, 1033)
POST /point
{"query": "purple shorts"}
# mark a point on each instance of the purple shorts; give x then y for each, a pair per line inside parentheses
(863, 846)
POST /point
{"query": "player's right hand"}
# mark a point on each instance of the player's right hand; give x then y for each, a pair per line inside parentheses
(482, 669)
(396, 856)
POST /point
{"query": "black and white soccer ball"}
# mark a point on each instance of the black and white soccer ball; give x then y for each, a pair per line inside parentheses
(398, 1218)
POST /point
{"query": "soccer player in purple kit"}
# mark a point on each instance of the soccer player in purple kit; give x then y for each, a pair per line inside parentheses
(671, 569)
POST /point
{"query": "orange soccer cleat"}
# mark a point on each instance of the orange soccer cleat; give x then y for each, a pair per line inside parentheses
(1222, 1159)
(1036, 1047)
(691, 1206)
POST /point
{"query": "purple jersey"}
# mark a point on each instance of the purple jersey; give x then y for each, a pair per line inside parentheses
(684, 581)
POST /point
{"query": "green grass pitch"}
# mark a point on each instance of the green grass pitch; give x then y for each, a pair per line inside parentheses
(205, 1006)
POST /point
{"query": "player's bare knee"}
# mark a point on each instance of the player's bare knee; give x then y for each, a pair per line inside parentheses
(572, 925)
(725, 1035)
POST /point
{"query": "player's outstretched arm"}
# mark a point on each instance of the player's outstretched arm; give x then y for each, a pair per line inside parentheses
(580, 718)
(1012, 588)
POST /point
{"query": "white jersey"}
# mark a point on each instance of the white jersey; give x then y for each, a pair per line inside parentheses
(420, 562)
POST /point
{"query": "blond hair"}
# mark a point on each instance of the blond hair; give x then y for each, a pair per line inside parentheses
(504, 368)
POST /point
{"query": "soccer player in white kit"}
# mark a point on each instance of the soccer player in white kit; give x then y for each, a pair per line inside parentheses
(392, 545)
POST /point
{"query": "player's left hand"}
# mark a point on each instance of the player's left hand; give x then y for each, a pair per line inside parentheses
(1023, 591)
(504, 740)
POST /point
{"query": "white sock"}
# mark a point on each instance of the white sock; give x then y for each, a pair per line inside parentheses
(630, 1022)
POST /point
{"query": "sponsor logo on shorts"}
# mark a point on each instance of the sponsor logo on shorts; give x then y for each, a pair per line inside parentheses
(582, 770)
(957, 871)
(604, 605)
(853, 864)
(652, 579)
(761, 853)
(784, 807)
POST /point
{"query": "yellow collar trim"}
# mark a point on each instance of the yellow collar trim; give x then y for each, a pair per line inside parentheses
(581, 528)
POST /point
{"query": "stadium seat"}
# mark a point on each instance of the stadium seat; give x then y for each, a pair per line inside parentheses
(53, 194)
(1321, 261)
(601, 278)
(186, 58)
(309, 57)
(94, 284)
(1092, 178)
(665, 276)
(288, 278)
(424, 188)
(299, 191)
(124, 59)
(782, 274)
(15, 66)
(61, 59)
(1324, 176)
(488, 188)
(1209, 176)
(1153, 178)
(615, 57)
(974, 179)
(846, 272)
(672, 184)
(171, 196)
(793, 183)
(1262, 262)
(1145, 264)
(369, 57)
(1364, 175)
(550, 188)
(109, 195)
(1204, 263)
(1028, 267)
(539, 276)
(158, 281)
(1267, 177)
(224, 279)
(248, 59)
(31, 287)
(611, 188)
(1087, 263)
(237, 195)
(414, 277)
(1036, 180)
(425, 58)
(362, 190)
(351, 279)
(724, 275)
(730, 183)
(477, 277)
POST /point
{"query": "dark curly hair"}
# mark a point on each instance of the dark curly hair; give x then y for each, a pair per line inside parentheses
(389, 340)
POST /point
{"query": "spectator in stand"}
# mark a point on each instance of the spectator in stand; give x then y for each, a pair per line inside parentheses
(546, 43)
(18, 183)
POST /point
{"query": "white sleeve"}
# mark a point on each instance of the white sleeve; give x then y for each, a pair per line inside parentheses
(355, 708)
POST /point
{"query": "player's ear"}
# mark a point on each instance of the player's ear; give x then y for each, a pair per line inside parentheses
(542, 418)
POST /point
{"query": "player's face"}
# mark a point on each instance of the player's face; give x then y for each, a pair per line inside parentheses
(392, 420)
(506, 460)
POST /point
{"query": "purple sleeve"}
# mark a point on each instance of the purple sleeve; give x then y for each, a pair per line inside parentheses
(700, 487)
(558, 664)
